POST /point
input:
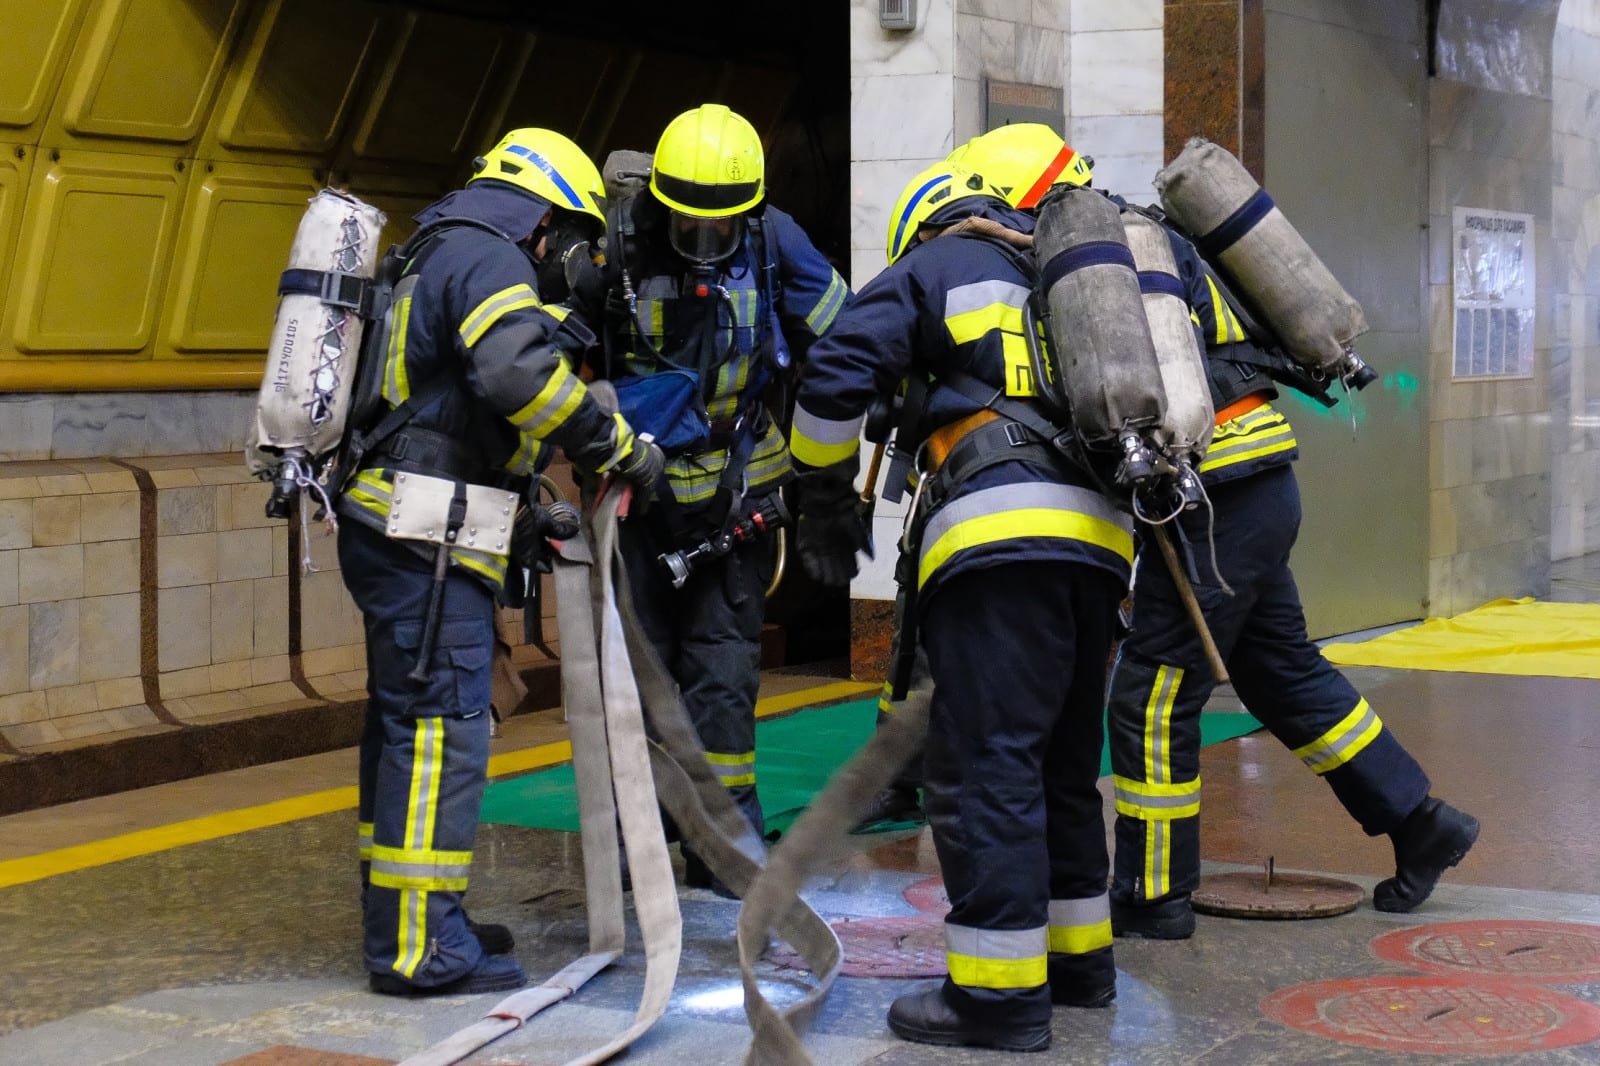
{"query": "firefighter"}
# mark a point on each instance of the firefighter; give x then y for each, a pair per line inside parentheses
(713, 294)
(1017, 565)
(476, 391)
(1161, 681)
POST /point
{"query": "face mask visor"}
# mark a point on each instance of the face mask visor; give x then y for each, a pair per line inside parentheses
(705, 240)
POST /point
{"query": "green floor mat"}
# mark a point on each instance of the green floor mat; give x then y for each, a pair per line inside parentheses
(795, 756)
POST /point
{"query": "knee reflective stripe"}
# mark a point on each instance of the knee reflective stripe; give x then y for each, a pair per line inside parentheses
(1079, 926)
(1158, 724)
(1156, 802)
(733, 770)
(364, 840)
(1344, 741)
(403, 868)
(997, 958)
(427, 767)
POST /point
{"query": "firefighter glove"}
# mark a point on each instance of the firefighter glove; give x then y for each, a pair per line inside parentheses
(831, 529)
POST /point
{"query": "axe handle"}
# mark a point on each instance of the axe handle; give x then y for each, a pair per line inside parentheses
(1180, 578)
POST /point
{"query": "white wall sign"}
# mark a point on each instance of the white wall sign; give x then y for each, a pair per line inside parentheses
(1492, 266)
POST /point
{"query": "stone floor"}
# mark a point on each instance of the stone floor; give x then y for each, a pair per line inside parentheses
(214, 921)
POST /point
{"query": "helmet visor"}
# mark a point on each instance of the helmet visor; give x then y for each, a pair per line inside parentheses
(705, 240)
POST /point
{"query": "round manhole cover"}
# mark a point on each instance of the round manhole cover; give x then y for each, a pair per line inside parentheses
(1250, 895)
(1436, 1015)
(1551, 952)
(929, 897)
(882, 947)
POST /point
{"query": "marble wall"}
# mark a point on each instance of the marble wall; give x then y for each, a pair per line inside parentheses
(126, 425)
(1115, 92)
(1575, 282)
(1489, 474)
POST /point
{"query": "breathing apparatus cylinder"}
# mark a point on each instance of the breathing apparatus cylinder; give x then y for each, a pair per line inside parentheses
(1190, 420)
(1240, 230)
(316, 336)
(1101, 364)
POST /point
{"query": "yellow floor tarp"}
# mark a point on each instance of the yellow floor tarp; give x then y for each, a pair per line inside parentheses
(1502, 637)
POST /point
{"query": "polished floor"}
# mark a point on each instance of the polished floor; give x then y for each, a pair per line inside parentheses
(214, 921)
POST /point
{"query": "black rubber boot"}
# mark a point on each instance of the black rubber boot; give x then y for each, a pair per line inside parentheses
(925, 1018)
(494, 973)
(892, 804)
(1083, 980)
(495, 939)
(1165, 919)
(1433, 838)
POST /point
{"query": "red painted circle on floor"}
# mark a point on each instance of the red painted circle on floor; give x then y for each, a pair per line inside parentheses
(882, 947)
(1436, 1015)
(1547, 952)
(929, 896)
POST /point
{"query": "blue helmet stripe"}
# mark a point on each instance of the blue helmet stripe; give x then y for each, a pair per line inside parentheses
(550, 172)
(911, 206)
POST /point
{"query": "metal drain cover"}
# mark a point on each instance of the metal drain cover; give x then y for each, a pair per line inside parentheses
(1275, 895)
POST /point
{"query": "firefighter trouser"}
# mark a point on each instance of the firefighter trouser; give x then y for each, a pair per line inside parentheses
(708, 635)
(1161, 681)
(1018, 654)
(424, 753)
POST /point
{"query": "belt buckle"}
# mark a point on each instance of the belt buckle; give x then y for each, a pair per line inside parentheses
(1016, 434)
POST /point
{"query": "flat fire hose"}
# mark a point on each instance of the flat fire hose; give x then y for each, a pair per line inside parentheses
(820, 836)
(609, 754)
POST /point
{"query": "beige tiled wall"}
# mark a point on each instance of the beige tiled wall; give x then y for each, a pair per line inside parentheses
(73, 595)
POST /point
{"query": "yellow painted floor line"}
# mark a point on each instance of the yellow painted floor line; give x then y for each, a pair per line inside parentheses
(213, 826)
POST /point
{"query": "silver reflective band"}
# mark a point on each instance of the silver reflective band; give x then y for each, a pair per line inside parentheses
(974, 297)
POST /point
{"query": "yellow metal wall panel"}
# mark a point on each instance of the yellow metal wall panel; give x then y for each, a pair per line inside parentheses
(93, 254)
(295, 78)
(148, 69)
(16, 164)
(36, 39)
(437, 82)
(238, 223)
(541, 97)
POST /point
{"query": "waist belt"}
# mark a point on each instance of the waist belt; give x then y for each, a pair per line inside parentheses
(990, 443)
(942, 440)
(425, 451)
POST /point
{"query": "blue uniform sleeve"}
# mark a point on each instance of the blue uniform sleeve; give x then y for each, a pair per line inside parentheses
(812, 292)
(863, 356)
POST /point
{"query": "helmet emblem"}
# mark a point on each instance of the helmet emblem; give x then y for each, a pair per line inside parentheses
(735, 169)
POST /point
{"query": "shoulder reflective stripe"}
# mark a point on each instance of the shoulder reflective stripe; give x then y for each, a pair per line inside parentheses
(818, 441)
(396, 384)
(1158, 723)
(1227, 326)
(1029, 509)
(1079, 926)
(1156, 802)
(1343, 742)
(997, 958)
(972, 325)
(964, 299)
(562, 393)
(486, 314)
(827, 308)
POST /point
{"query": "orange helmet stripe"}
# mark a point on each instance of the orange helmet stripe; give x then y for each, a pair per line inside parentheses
(1037, 190)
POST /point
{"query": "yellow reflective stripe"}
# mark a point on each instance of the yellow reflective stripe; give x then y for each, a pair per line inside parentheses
(997, 973)
(490, 311)
(968, 326)
(369, 502)
(488, 564)
(403, 868)
(1080, 939)
(996, 958)
(1156, 802)
(364, 839)
(1228, 328)
(717, 758)
(396, 383)
(526, 458)
(551, 406)
(818, 441)
(815, 453)
(559, 312)
(1343, 742)
(426, 770)
(1029, 509)
(1158, 723)
(827, 308)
